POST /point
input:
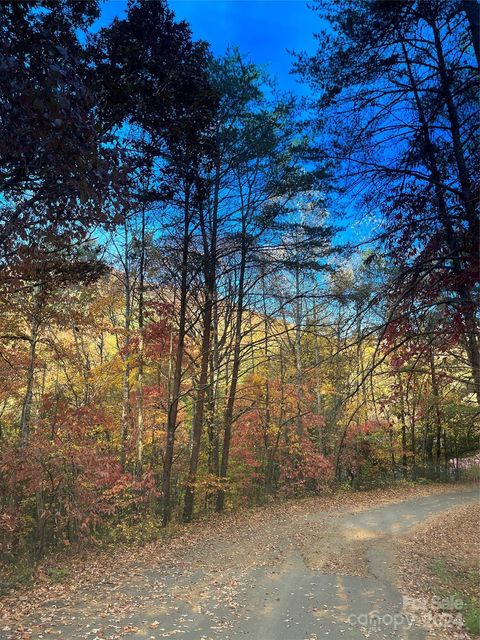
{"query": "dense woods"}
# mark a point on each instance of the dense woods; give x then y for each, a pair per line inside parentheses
(213, 293)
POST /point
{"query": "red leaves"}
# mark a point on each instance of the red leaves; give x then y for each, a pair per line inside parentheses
(303, 467)
(69, 481)
(256, 450)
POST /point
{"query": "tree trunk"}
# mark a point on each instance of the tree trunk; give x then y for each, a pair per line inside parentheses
(28, 397)
(462, 171)
(472, 11)
(466, 304)
(210, 252)
(197, 426)
(437, 413)
(318, 393)
(177, 375)
(126, 360)
(228, 416)
(413, 439)
(404, 429)
(140, 403)
(298, 354)
(213, 445)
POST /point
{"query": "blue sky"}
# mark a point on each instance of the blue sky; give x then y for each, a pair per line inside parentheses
(262, 29)
(265, 30)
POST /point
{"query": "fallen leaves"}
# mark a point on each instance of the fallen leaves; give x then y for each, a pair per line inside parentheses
(439, 558)
(204, 567)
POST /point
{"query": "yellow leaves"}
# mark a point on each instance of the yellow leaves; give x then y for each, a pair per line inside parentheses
(273, 430)
(327, 388)
(256, 379)
(209, 483)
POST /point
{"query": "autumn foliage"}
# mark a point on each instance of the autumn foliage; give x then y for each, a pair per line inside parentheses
(191, 319)
(64, 485)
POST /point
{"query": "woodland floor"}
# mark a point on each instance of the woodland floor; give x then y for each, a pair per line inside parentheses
(300, 570)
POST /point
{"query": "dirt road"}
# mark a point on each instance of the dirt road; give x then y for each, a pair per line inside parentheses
(302, 574)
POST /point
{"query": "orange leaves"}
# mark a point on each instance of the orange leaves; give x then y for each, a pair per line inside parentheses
(127, 492)
(303, 467)
(69, 481)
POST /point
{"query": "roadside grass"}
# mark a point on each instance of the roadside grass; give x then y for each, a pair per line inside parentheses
(23, 575)
(440, 561)
(470, 607)
(57, 574)
(16, 576)
(472, 617)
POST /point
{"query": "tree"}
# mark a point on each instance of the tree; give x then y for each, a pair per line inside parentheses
(56, 168)
(408, 145)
